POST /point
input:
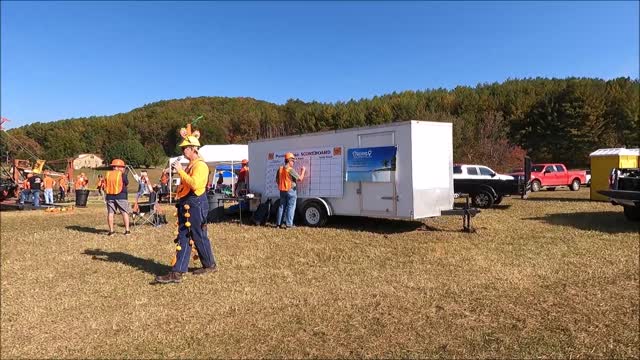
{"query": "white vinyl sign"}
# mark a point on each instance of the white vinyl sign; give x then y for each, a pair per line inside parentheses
(323, 177)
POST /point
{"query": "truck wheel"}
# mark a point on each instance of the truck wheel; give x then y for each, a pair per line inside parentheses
(498, 200)
(314, 214)
(632, 213)
(483, 200)
(575, 185)
(535, 186)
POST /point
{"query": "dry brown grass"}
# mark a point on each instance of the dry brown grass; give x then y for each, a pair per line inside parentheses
(554, 276)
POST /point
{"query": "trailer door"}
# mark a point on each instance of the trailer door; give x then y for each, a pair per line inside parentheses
(378, 199)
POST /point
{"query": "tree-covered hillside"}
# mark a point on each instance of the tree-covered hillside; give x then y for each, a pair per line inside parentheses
(559, 120)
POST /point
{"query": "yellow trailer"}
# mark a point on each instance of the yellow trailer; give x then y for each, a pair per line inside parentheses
(603, 160)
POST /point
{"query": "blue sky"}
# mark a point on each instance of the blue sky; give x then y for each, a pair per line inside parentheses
(76, 59)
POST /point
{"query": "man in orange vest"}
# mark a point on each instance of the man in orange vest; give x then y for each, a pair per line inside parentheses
(116, 189)
(193, 208)
(287, 178)
(48, 188)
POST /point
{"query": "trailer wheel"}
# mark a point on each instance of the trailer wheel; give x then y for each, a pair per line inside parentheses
(535, 186)
(314, 214)
(498, 200)
(483, 200)
(575, 185)
(632, 213)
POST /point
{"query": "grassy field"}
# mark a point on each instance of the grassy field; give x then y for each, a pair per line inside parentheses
(553, 276)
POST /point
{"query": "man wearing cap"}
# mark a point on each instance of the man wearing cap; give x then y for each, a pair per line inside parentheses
(287, 178)
(116, 189)
(243, 178)
(193, 208)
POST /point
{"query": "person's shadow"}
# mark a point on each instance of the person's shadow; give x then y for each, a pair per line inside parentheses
(87, 229)
(146, 265)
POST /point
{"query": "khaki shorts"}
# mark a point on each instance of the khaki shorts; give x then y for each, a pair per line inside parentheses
(121, 204)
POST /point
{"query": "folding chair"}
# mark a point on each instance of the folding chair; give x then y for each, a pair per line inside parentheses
(147, 212)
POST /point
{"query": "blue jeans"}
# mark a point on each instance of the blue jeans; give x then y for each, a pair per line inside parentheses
(36, 198)
(198, 209)
(287, 207)
(48, 196)
(25, 195)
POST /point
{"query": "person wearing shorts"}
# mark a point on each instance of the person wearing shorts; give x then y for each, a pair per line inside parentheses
(116, 189)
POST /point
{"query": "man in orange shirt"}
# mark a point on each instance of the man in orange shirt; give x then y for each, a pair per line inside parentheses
(63, 183)
(48, 188)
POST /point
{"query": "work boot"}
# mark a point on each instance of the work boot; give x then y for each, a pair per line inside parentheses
(205, 270)
(171, 277)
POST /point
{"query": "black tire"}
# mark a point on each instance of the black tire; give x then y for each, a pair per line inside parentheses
(498, 200)
(632, 213)
(274, 211)
(535, 186)
(483, 200)
(314, 214)
(575, 185)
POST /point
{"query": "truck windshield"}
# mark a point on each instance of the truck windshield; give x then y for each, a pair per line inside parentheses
(537, 168)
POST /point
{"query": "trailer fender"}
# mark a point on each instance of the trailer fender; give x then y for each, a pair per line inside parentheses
(314, 211)
(322, 201)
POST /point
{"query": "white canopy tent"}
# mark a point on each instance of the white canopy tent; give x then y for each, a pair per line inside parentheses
(215, 155)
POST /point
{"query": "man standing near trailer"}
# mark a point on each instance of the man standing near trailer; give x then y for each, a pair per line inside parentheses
(287, 179)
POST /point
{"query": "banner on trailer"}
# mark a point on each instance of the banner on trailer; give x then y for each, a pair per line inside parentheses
(372, 164)
(323, 177)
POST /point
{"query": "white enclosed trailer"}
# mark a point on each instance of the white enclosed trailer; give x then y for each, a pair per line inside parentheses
(417, 183)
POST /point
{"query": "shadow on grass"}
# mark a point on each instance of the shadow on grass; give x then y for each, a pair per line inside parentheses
(500, 207)
(146, 265)
(608, 222)
(379, 226)
(556, 199)
(87, 229)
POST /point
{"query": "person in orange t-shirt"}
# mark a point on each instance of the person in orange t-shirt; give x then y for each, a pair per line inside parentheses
(48, 188)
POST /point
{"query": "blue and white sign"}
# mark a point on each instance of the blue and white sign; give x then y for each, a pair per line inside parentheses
(372, 164)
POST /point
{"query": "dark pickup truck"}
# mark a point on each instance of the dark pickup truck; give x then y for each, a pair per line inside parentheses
(484, 186)
(624, 190)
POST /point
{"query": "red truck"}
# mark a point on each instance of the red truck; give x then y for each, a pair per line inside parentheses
(551, 176)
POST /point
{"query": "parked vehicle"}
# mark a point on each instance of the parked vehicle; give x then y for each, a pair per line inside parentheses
(401, 170)
(551, 176)
(485, 186)
(587, 182)
(624, 190)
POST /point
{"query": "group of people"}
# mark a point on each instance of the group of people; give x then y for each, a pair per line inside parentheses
(34, 184)
(242, 183)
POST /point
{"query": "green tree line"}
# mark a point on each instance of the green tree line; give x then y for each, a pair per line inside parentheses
(559, 120)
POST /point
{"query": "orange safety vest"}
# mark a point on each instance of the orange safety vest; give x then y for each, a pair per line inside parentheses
(184, 189)
(114, 182)
(284, 180)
